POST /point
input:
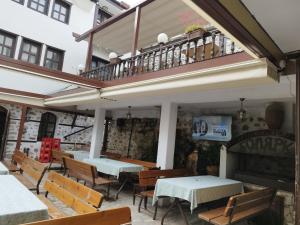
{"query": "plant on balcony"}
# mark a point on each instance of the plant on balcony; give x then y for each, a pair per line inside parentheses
(194, 31)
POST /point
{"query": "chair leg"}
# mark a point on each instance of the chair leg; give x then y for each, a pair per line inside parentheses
(145, 202)
(140, 204)
(108, 190)
(155, 210)
(133, 196)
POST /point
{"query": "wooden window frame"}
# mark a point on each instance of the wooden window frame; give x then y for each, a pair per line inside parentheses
(38, 55)
(46, 7)
(104, 12)
(61, 63)
(98, 59)
(68, 15)
(44, 128)
(14, 44)
(20, 2)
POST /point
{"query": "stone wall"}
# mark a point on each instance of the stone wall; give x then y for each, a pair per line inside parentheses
(31, 127)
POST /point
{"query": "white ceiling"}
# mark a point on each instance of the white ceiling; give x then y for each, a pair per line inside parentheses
(280, 18)
(157, 17)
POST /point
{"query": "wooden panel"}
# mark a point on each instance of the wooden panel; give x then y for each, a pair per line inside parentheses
(211, 214)
(18, 157)
(53, 212)
(147, 165)
(79, 169)
(57, 155)
(82, 207)
(106, 217)
(25, 181)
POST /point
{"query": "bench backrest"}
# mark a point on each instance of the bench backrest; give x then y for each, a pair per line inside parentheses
(112, 155)
(18, 157)
(75, 195)
(146, 165)
(33, 168)
(80, 170)
(149, 177)
(106, 217)
(246, 203)
(57, 155)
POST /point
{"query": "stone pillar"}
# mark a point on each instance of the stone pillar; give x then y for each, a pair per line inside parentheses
(98, 133)
(167, 136)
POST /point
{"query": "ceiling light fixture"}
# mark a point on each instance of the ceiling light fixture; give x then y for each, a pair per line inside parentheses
(242, 112)
(128, 115)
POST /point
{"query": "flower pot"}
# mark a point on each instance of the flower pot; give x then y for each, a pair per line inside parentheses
(212, 170)
(195, 34)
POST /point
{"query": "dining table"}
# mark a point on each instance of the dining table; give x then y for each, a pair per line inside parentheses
(3, 169)
(115, 168)
(195, 190)
(17, 204)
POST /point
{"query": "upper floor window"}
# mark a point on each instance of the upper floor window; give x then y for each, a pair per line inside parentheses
(54, 59)
(19, 1)
(7, 44)
(61, 11)
(30, 51)
(39, 5)
(98, 62)
(102, 16)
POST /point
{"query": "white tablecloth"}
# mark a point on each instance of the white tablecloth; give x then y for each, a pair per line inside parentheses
(80, 154)
(17, 204)
(197, 189)
(3, 170)
(113, 167)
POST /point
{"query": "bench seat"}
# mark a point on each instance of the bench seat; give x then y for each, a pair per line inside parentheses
(211, 214)
(10, 165)
(53, 212)
(25, 181)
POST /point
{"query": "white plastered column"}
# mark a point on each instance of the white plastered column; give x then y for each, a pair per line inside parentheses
(98, 133)
(167, 136)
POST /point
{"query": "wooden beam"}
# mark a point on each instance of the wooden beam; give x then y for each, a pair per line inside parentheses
(136, 30)
(89, 56)
(297, 150)
(21, 127)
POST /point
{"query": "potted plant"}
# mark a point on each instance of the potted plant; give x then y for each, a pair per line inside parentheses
(212, 155)
(194, 30)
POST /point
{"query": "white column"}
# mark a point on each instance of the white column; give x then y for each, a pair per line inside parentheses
(167, 136)
(98, 133)
(18, 46)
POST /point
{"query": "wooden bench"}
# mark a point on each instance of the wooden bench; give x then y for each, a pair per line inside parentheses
(86, 172)
(73, 194)
(147, 181)
(146, 165)
(106, 217)
(15, 163)
(34, 170)
(111, 155)
(240, 207)
(57, 157)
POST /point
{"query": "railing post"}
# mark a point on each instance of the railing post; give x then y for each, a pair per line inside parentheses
(297, 149)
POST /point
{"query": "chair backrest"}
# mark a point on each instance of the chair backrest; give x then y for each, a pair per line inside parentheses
(18, 157)
(33, 168)
(255, 201)
(149, 177)
(106, 217)
(57, 155)
(112, 155)
(145, 164)
(75, 195)
(80, 170)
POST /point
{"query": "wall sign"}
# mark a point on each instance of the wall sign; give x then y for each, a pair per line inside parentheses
(215, 128)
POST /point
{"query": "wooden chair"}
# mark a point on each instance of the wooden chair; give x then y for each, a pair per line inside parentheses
(240, 207)
(111, 155)
(86, 172)
(106, 217)
(15, 163)
(33, 169)
(147, 181)
(57, 157)
(73, 194)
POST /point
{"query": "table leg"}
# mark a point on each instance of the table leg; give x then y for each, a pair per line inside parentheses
(121, 187)
(175, 203)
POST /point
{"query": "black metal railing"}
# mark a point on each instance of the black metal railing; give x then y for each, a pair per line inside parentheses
(185, 51)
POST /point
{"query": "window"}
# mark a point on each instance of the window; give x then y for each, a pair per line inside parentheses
(30, 51)
(7, 44)
(39, 5)
(61, 11)
(102, 16)
(54, 59)
(19, 1)
(97, 62)
(47, 126)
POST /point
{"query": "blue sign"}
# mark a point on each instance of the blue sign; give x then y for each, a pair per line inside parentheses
(214, 128)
